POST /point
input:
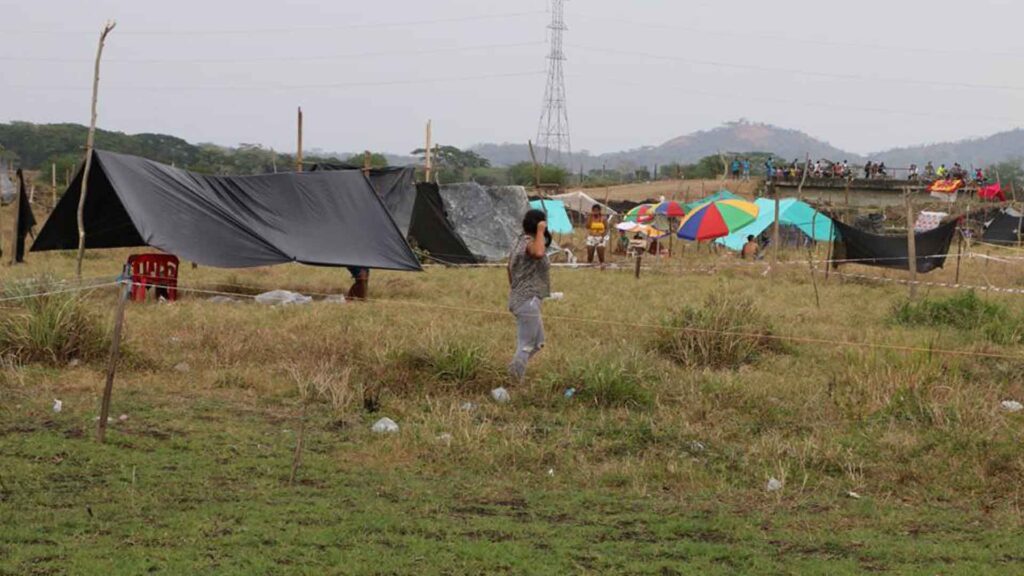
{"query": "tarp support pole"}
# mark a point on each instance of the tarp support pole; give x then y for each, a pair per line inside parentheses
(90, 140)
(429, 160)
(959, 251)
(776, 244)
(298, 149)
(53, 182)
(911, 245)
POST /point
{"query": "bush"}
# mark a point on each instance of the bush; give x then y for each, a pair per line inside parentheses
(55, 328)
(609, 383)
(964, 311)
(725, 333)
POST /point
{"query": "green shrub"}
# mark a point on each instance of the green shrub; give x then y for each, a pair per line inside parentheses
(55, 328)
(455, 362)
(963, 311)
(725, 333)
(609, 383)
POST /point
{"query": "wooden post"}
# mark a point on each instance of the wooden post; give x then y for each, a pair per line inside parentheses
(911, 246)
(115, 353)
(776, 242)
(429, 159)
(831, 241)
(847, 194)
(810, 260)
(367, 163)
(803, 178)
(959, 251)
(17, 217)
(53, 182)
(298, 152)
(536, 168)
(639, 256)
(90, 140)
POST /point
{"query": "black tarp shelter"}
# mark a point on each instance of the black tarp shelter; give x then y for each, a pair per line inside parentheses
(323, 219)
(417, 209)
(1005, 229)
(853, 246)
(26, 220)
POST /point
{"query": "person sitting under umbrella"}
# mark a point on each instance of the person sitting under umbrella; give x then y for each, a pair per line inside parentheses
(751, 249)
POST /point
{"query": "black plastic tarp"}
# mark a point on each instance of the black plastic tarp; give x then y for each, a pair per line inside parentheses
(853, 246)
(396, 186)
(431, 231)
(489, 219)
(318, 218)
(26, 220)
(1004, 230)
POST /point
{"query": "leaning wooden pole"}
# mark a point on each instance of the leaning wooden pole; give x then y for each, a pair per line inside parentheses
(17, 217)
(776, 237)
(53, 182)
(90, 140)
(115, 354)
(298, 149)
(429, 160)
(911, 245)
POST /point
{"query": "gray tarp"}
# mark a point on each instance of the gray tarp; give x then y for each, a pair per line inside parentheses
(488, 218)
(319, 218)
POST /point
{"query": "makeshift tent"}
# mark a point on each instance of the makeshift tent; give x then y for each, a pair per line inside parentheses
(855, 246)
(488, 218)
(792, 213)
(431, 231)
(558, 219)
(396, 186)
(1004, 229)
(319, 218)
(720, 195)
(26, 220)
(582, 203)
(992, 192)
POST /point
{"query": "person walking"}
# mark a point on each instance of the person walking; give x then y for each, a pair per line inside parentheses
(529, 284)
(746, 169)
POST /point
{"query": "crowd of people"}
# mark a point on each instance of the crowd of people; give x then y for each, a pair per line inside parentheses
(872, 170)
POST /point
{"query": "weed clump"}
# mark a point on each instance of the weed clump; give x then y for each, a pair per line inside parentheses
(53, 328)
(964, 311)
(727, 332)
(609, 383)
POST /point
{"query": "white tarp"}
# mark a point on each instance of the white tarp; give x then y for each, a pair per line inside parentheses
(581, 202)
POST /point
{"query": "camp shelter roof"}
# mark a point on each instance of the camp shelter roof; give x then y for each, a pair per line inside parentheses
(582, 202)
(792, 212)
(720, 195)
(432, 232)
(488, 218)
(318, 218)
(1004, 229)
(558, 218)
(395, 185)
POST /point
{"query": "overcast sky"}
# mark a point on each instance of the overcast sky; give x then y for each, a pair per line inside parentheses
(862, 75)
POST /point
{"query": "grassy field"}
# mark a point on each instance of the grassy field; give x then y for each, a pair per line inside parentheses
(892, 461)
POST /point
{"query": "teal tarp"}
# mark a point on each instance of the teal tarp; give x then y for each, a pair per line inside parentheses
(558, 218)
(792, 212)
(720, 195)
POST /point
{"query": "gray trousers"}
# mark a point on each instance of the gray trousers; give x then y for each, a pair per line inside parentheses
(529, 337)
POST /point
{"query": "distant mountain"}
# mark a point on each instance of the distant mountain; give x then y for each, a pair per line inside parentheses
(973, 152)
(735, 137)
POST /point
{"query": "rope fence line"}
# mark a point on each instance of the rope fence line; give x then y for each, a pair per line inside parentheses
(738, 334)
(61, 291)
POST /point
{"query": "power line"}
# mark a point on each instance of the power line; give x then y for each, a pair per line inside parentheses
(137, 88)
(282, 30)
(806, 41)
(310, 58)
(772, 70)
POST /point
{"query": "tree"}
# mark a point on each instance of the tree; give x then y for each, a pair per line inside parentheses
(452, 164)
(376, 160)
(522, 174)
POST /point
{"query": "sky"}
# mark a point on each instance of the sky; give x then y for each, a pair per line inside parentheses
(863, 76)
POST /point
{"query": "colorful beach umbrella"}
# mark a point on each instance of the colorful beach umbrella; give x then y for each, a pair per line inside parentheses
(671, 209)
(717, 219)
(643, 213)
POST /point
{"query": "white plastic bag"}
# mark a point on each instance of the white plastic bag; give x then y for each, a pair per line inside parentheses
(282, 298)
(385, 426)
(501, 396)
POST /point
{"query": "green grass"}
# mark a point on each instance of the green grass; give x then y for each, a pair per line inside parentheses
(655, 466)
(965, 311)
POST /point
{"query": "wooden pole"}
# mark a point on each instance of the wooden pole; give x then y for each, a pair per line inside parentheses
(776, 242)
(803, 178)
(17, 217)
(846, 193)
(810, 260)
(429, 159)
(911, 246)
(107, 29)
(53, 182)
(115, 353)
(536, 168)
(959, 252)
(298, 152)
(639, 256)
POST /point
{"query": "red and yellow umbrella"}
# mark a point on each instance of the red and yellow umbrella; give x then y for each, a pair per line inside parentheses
(717, 219)
(643, 213)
